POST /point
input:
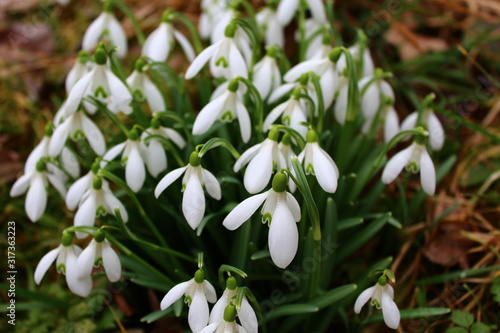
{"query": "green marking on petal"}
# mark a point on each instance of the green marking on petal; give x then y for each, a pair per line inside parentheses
(266, 218)
(223, 61)
(98, 262)
(188, 300)
(101, 211)
(227, 116)
(61, 268)
(309, 169)
(78, 135)
(100, 91)
(412, 167)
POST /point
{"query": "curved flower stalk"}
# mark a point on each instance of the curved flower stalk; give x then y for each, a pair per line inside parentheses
(368, 65)
(96, 201)
(132, 152)
(155, 156)
(306, 87)
(270, 27)
(287, 8)
(262, 159)
(281, 211)
(35, 182)
(245, 312)
(101, 84)
(226, 60)
(431, 121)
(82, 66)
(227, 107)
(325, 68)
(97, 252)
(292, 113)
(226, 324)
(193, 199)
(318, 163)
(414, 158)
(77, 126)
(267, 75)
(65, 256)
(198, 292)
(105, 27)
(381, 295)
(143, 89)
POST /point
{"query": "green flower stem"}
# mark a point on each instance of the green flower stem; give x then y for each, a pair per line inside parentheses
(170, 147)
(259, 105)
(198, 46)
(302, 31)
(130, 14)
(321, 105)
(330, 235)
(174, 116)
(330, 13)
(218, 142)
(229, 269)
(108, 114)
(294, 134)
(254, 39)
(423, 106)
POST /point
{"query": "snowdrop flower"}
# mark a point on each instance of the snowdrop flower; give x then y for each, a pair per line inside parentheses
(77, 126)
(143, 89)
(245, 312)
(381, 295)
(312, 27)
(225, 58)
(271, 27)
(132, 156)
(374, 92)
(160, 42)
(261, 159)
(98, 200)
(434, 127)
(285, 146)
(325, 68)
(106, 26)
(367, 61)
(155, 156)
(226, 107)
(103, 85)
(267, 76)
(81, 67)
(99, 251)
(66, 257)
(35, 182)
(198, 292)
(322, 48)
(281, 210)
(287, 8)
(193, 199)
(415, 158)
(226, 324)
(292, 113)
(341, 99)
(79, 187)
(317, 162)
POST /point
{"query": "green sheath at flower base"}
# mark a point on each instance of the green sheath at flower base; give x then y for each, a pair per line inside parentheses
(419, 138)
(100, 56)
(334, 54)
(382, 280)
(49, 129)
(99, 236)
(280, 182)
(327, 40)
(139, 65)
(312, 136)
(108, 6)
(272, 51)
(231, 283)
(167, 16)
(66, 239)
(286, 139)
(274, 134)
(230, 30)
(155, 123)
(199, 276)
(233, 85)
(194, 159)
(83, 57)
(303, 79)
(41, 166)
(97, 183)
(95, 167)
(297, 92)
(133, 135)
(230, 313)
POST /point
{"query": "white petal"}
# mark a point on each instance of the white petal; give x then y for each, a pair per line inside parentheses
(57, 183)
(111, 262)
(85, 216)
(329, 85)
(236, 62)
(175, 137)
(317, 10)
(59, 137)
(427, 173)
(154, 97)
(76, 190)
(200, 61)
(210, 328)
(117, 36)
(135, 173)
(283, 236)
(120, 95)
(409, 122)
(244, 120)
(294, 206)
(363, 298)
(157, 45)
(112, 153)
(211, 184)
(390, 312)
(391, 126)
(112, 202)
(436, 131)
(193, 202)
(198, 311)
(210, 293)
(246, 157)
(325, 171)
(247, 317)
(244, 211)
(275, 114)
(370, 101)
(156, 160)
(303, 67)
(77, 93)
(21, 185)
(208, 115)
(81, 287)
(281, 91)
(36, 199)
(340, 107)
(94, 135)
(185, 45)
(85, 261)
(286, 10)
(217, 312)
(174, 294)
(259, 171)
(70, 163)
(396, 164)
(93, 33)
(45, 263)
(168, 179)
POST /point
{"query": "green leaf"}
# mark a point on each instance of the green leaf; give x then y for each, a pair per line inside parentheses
(154, 316)
(462, 318)
(290, 309)
(457, 330)
(457, 275)
(260, 255)
(349, 223)
(480, 328)
(412, 314)
(332, 296)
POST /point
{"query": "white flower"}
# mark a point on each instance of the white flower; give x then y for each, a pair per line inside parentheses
(198, 292)
(281, 210)
(227, 107)
(272, 29)
(212, 10)
(35, 182)
(193, 199)
(262, 159)
(382, 297)
(98, 200)
(317, 162)
(292, 113)
(66, 255)
(105, 26)
(101, 84)
(434, 127)
(155, 156)
(368, 65)
(160, 42)
(267, 76)
(341, 100)
(131, 151)
(414, 158)
(98, 252)
(287, 8)
(77, 126)
(81, 67)
(373, 98)
(142, 88)
(225, 58)
(79, 187)
(226, 322)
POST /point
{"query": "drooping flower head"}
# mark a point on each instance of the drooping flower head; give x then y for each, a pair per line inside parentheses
(143, 89)
(267, 76)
